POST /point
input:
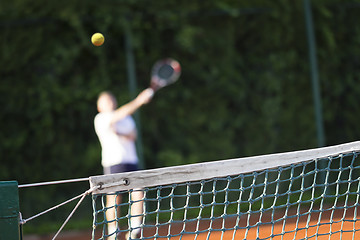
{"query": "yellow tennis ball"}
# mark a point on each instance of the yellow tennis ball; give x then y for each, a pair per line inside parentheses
(97, 39)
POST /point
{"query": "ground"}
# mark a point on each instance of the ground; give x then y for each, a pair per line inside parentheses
(340, 223)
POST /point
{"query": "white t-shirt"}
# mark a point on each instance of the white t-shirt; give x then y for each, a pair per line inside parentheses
(116, 147)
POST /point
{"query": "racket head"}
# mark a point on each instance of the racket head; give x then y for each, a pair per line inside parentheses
(164, 72)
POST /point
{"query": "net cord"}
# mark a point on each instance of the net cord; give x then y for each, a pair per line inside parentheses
(81, 196)
(73, 211)
(53, 182)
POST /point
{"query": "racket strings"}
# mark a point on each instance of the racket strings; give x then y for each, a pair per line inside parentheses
(164, 72)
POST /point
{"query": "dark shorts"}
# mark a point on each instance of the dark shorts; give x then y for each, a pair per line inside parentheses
(119, 168)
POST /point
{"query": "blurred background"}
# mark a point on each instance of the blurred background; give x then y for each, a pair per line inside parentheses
(257, 77)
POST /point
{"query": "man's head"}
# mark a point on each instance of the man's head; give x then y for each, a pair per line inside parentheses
(106, 102)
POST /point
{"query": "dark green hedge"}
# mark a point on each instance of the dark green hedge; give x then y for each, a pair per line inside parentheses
(245, 87)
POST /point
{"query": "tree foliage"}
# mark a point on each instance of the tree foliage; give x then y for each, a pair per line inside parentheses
(245, 87)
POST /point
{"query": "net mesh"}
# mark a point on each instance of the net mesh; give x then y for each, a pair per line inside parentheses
(315, 199)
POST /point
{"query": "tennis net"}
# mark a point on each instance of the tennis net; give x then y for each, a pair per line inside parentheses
(310, 194)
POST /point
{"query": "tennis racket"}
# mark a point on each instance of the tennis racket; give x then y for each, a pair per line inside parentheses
(164, 72)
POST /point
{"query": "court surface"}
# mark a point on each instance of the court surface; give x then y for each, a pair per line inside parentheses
(330, 222)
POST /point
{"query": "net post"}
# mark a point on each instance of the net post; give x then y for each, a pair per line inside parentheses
(9, 211)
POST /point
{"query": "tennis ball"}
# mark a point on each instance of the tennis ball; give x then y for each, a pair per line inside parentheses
(97, 39)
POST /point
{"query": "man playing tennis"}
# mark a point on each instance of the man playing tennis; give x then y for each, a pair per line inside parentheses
(116, 131)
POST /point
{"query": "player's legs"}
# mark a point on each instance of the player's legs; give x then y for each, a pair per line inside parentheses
(137, 203)
(112, 213)
(137, 212)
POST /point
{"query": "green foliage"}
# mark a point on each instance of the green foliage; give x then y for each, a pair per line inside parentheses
(245, 87)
